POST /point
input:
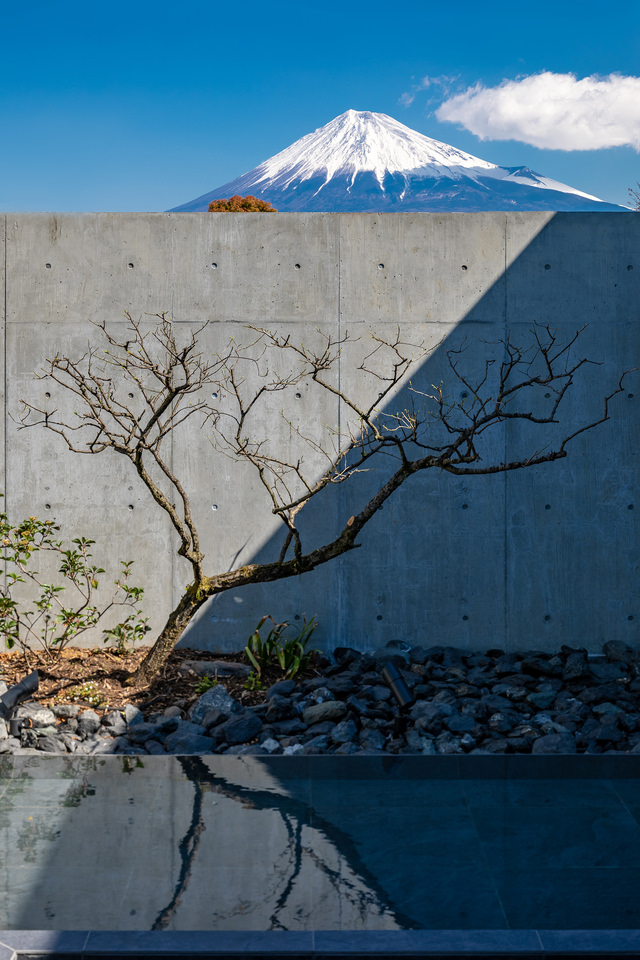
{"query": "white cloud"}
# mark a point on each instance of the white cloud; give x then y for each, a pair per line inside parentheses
(445, 82)
(552, 110)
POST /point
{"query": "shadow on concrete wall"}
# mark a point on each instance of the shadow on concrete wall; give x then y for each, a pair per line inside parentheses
(534, 558)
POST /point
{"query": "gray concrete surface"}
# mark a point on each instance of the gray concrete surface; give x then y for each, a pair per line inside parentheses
(534, 558)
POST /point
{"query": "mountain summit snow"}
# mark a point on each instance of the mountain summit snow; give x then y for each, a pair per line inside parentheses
(364, 161)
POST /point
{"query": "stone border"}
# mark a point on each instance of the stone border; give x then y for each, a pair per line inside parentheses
(332, 945)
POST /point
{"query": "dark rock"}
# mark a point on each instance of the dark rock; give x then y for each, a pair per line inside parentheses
(344, 732)
(88, 723)
(132, 714)
(446, 743)
(508, 663)
(173, 711)
(184, 743)
(494, 703)
(38, 715)
(604, 670)
(279, 707)
(554, 743)
(317, 744)
(480, 676)
(500, 745)
(213, 718)
(215, 698)
(66, 710)
(70, 726)
(516, 694)
(460, 724)
(283, 688)
(576, 666)
(141, 732)
(431, 711)
(542, 666)
(609, 730)
(376, 693)
(115, 722)
(342, 685)
(601, 692)
(541, 699)
(372, 739)
(618, 651)
(241, 729)
(417, 655)
(345, 655)
(501, 723)
(329, 710)
(321, 695)
(216, 669)
(51, 744)
(600, 709)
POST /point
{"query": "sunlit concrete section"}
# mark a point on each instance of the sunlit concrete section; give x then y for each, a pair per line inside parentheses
(528, 559)
(338, 844)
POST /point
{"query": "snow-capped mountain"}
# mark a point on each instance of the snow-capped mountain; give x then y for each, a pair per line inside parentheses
(368, 162)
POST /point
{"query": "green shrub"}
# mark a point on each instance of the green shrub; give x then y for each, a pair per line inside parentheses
(289, 653)
(52, 614)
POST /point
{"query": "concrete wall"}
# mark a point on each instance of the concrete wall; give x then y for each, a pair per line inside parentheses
(534, 558)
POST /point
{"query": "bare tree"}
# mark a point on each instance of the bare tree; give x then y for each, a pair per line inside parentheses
(168, 378)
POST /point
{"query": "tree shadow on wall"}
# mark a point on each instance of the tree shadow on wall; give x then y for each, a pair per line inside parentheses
(530, 558)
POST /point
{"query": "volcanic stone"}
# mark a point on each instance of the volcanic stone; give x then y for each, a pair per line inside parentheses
(241, 729)
(328, 710)
(214, 698)
(554, 743)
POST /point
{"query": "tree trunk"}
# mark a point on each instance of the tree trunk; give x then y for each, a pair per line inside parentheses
(198, 593)
(175, 626)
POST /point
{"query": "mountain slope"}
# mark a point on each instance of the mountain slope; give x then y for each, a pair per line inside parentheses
(368, 162)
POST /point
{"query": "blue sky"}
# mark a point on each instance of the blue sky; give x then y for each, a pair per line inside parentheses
(143, 105)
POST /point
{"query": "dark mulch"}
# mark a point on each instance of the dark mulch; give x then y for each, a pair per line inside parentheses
(97, 679)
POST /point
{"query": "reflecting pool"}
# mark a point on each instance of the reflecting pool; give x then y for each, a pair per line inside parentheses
(319, 843)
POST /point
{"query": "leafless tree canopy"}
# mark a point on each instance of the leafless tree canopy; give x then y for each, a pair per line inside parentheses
(132, 395)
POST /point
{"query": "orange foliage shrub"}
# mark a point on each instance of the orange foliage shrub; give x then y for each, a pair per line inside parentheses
(239, 204)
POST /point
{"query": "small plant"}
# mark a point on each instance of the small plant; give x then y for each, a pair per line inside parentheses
(65, 608)
(86, 693)
(289, 653)
(253, 682)
(206, 683)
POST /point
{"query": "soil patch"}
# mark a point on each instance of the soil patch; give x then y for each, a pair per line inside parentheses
(97, 679)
